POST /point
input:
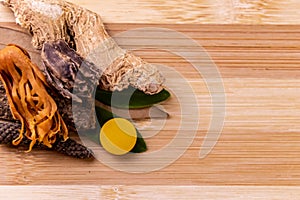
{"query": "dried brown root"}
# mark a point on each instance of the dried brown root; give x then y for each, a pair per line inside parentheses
(83, 30)
(28, 98)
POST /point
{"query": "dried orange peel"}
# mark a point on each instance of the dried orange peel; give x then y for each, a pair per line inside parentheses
(28, 98)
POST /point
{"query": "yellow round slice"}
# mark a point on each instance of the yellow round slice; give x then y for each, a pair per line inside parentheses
(118, 136)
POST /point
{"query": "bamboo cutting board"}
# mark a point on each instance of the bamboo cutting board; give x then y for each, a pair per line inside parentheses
(260, 141)
(190, 11)
(257, 154)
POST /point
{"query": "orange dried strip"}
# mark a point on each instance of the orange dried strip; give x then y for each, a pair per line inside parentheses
(28, 98)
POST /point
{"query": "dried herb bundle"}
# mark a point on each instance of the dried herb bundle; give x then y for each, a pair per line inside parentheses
(28, 98)
(83, 30)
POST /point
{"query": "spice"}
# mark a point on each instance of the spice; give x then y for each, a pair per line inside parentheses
(63, 66)
(73, 78)
(83, 30)
(5, 113)
(9, 131)
(28, 98)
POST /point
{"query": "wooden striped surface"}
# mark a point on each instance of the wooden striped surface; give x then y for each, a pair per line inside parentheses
(119, 192)
(260, 142)
(257, 155)
(191, 11)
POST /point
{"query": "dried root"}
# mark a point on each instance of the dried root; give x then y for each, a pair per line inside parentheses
(83, 30)
(28, 98)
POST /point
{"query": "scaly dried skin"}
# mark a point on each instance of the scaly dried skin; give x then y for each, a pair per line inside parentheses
(28, 98)
(9, 131)
(5, 113)
(83, 30)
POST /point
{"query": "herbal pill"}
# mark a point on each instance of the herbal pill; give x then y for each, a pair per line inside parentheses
(118, 136)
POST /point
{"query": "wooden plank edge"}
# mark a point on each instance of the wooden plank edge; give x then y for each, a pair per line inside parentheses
(148, 192)
(191, 27)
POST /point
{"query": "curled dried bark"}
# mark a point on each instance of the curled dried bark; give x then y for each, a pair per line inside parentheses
(28, 98)
(83, 30)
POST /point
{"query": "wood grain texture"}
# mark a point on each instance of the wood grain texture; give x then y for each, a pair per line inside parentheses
(260, 142)
(259, 146)
(190, 11)
(120, 192)
(257, 156)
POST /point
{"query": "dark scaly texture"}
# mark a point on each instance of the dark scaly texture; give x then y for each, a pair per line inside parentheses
(10, 131)
(64, 106)
(4, 107)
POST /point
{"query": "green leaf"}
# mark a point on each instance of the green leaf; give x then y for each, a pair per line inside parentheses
(103, 116)
(140, 145)
(130, 98)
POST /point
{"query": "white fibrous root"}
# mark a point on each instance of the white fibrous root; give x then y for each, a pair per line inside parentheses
(83, 30)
